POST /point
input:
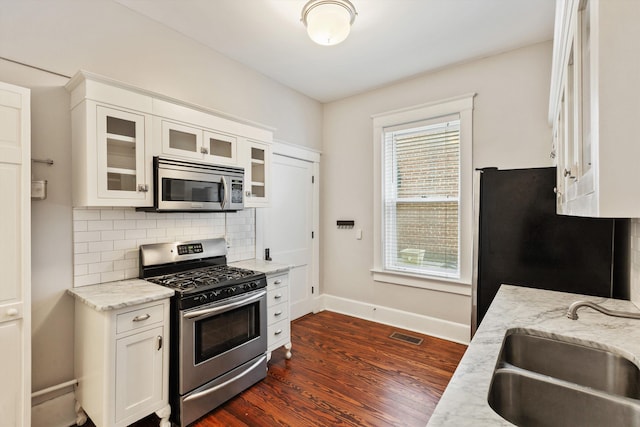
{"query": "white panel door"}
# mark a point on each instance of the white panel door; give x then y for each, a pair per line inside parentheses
(288, 227)
(15, 264)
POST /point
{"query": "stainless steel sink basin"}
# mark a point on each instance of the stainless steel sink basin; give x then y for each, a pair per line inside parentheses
(541, 381)
(527, 401)
(576, 363)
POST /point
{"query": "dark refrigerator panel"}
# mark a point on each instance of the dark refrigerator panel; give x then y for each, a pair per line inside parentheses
(522, 241)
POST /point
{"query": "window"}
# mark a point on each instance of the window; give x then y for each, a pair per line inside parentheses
(423, 209)
(421, 197)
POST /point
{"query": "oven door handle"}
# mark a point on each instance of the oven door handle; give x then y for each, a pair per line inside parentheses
(214, 310)
(224, 384)
(223, 200)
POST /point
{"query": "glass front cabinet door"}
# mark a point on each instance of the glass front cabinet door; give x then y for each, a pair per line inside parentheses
(183, 140)
(121, 156)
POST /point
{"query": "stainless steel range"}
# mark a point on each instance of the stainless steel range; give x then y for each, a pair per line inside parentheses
(218, 324)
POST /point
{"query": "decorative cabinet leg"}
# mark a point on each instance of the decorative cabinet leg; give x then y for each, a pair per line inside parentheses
(81, 416)
(288, 347)
(164, 414)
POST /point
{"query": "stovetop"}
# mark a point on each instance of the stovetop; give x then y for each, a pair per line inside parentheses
(202, 278)
(197, 271)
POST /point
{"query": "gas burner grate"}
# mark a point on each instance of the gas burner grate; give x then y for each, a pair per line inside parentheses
(200, 277)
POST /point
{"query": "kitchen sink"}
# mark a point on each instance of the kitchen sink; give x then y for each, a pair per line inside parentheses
(577, 363)
(544, 381)
(529, 401)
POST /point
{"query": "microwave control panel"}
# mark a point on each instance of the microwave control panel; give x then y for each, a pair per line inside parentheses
(236, 191)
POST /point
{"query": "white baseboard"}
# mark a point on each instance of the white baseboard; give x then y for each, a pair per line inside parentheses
(56, 412)
(451, 331)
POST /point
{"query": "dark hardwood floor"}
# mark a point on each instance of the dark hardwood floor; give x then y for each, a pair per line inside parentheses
(344, 372)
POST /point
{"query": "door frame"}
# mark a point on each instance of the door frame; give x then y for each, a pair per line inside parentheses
(310, 155)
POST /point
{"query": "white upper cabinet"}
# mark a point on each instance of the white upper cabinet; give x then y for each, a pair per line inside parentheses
(196, 143)
(117, 129)
(256, 160)
(111, 145)
(594, 104)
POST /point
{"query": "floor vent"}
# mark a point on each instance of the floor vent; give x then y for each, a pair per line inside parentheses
(406, 338)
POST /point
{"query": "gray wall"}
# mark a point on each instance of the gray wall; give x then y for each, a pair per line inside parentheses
(510, 130)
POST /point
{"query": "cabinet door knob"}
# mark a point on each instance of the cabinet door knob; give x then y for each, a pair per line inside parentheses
(204, 150)
(143, 188)
(12, 312)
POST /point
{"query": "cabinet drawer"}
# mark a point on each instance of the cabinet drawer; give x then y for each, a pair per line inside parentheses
(277, 296)
(276, 282)
(277, 313)
(139, 318)
(279, 332)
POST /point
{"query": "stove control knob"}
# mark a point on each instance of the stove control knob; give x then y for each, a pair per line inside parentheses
(254, 285)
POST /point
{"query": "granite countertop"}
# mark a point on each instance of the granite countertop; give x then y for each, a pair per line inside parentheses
(267, 267)
(124, 293)
(464, 402)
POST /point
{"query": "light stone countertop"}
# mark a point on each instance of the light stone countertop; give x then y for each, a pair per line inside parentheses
(267, 267)
(464, 402)
(124, 293)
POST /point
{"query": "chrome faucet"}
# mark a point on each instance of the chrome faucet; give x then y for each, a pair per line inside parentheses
(572, 313)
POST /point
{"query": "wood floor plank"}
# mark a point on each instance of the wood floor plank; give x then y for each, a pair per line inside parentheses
(345, 371)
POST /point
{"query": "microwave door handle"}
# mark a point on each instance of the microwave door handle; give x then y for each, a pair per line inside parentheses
(208, 312)
(223, 199)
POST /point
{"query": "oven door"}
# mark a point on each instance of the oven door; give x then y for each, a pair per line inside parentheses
(221, 336)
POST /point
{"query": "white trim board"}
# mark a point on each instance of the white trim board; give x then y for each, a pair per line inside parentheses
(451, 331)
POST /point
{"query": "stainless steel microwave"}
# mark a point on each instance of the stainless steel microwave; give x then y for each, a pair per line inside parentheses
(182, 186)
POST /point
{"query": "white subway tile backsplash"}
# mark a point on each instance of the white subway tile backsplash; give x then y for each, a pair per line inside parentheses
(87, 258)
(99, 225)
(86, 236)
(135, 234)
(101, 246)
(111, 214)
(106, 240)
(100, 267)
(86, 214)
(125, 244)
(112, 235)
(124, 224)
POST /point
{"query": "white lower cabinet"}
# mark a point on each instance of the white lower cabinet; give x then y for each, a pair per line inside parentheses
(121, 363)
(278, 319)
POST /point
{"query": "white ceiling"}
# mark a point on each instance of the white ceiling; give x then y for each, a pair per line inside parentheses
(390, 40)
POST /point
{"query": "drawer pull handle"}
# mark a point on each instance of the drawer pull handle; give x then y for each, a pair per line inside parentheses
(277, 313)
(278, 332)
(141, 317)
(277, 296)
(277, 282)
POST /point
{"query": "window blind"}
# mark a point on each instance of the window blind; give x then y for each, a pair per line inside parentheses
(421, 197)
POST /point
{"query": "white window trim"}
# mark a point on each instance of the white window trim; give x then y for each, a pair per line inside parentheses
(462, 105)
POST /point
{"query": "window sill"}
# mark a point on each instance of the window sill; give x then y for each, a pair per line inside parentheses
(434, 283)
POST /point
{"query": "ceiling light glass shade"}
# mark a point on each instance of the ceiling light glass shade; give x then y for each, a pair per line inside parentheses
(328, 22)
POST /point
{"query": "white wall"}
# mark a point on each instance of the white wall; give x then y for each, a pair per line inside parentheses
(109, 39)
(510, 131)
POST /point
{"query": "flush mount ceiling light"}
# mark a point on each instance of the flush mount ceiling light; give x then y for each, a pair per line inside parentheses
(328, 22)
